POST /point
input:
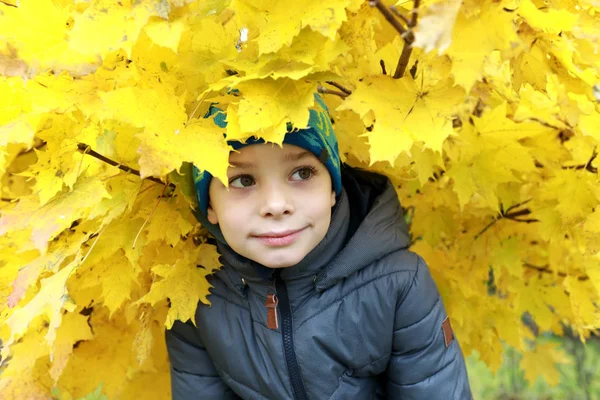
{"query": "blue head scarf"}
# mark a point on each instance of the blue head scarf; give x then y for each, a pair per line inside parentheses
(318, 138)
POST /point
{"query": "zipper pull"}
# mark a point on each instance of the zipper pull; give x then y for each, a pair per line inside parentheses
(271, 304)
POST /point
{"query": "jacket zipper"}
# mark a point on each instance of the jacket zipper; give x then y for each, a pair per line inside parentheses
(288, 339)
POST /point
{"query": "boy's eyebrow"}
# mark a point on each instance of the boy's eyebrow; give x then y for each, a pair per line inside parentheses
(240, 164)
(287, 157)
(297, 156)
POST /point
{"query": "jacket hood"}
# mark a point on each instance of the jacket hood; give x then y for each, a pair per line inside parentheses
(366, 225)
(377, 226)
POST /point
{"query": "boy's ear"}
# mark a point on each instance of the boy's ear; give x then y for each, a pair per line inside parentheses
(332, 198)
(211, 215)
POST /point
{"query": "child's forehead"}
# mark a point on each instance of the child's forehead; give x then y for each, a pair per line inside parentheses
(258, 152)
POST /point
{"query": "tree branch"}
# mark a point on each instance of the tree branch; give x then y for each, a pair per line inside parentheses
(388, 16)
(407, 34)
(403, 61)
(400, 16)
(337, 85)
(324, 90)
(86, 149)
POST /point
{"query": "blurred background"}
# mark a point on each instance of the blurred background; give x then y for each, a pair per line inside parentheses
(579, 379)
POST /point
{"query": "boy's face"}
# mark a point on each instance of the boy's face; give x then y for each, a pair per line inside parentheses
(278, 204)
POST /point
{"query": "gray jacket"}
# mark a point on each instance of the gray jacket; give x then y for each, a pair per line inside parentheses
(359, 318)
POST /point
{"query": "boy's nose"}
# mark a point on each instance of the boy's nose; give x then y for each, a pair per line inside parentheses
(275, 202)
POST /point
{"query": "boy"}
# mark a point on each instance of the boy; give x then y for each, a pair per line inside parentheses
(318, 297)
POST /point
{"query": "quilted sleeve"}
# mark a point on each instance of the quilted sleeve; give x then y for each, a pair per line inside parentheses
(426, 361)
(193, 374)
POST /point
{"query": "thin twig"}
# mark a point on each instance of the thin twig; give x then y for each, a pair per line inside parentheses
(36, 146)
(86, 149)
(403, 61)
(382, 64)
(510, 215)
(148, 219)
(393, 17)
(337, 85)
(415, 14)
(587, 166)
(196, 108)
(546, 270)
(409, 39)
(388, 16)
(324, 90)
(399, 15)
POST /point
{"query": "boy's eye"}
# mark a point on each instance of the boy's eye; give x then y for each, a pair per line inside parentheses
(304, 173)
(242, 181)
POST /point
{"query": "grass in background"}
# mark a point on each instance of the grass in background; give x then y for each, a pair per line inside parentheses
(579, 380)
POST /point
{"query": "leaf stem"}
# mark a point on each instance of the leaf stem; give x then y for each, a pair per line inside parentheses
(546, 270)
(587, 166)
(382, 64)
(86, 149)
(511, 215)
(149, 216)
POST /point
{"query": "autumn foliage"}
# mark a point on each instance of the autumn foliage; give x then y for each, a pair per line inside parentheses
(485, 113)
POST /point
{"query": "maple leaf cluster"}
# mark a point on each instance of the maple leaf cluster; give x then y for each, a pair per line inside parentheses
(485, 114)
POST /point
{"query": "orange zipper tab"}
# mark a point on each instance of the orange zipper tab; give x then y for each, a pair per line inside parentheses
(271, 305)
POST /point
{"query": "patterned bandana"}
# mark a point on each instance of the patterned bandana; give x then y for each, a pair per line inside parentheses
(318, 138)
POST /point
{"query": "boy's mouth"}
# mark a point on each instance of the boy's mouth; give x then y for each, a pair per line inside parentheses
(282, 238)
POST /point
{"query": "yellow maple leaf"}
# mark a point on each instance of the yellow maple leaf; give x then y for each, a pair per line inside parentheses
(144, 338)
(116, 275)
(18, 378)
(96, 361)
(49, 301)
(55, 216)
(166, 143)
(578, 190)
(51, 50)
(272, 19)
(170, 219)
(551, 21)
(73, 328)
(120, 24)
(267, 106)
(475, 37)
(183, 283)
(493, 156)
(165, 33)
(65, 246)
(405, 112)
(542, 362)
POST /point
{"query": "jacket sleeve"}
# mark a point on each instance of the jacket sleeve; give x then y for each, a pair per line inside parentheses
(426, 361)
(193, 374)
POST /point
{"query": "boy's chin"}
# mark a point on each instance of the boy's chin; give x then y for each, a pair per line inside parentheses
(280, 261)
